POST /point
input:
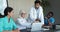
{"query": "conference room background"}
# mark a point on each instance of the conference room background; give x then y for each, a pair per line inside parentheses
(17, 5)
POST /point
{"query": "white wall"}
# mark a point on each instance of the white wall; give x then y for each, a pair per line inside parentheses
(20, 4)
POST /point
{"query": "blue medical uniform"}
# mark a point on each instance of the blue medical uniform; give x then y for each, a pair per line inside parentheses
(52, 20)
(7, 26)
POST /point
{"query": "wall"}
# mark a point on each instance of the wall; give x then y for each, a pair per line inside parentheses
(20, 4)
(55, 7)
(26, 5)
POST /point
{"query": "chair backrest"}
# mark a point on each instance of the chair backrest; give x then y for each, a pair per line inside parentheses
(36, 26)
(1, 16)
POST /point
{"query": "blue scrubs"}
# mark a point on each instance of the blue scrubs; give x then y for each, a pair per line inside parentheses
(5, 25)
(52, 20)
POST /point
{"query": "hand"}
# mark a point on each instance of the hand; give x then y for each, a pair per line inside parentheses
(43, 25)
(16, 30)
(37, 20)
(46, 18)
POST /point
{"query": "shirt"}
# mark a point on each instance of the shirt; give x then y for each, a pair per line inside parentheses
(5, 25)
(36, 13)
(22, 22)
(52, 20)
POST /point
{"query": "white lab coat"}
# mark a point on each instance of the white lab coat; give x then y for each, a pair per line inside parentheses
(22, 23)
(3, 5)
(33, 14)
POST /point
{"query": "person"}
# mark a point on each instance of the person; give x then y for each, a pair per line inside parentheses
(49, 19)
(7, 23)
(36, 12)
(21, 22)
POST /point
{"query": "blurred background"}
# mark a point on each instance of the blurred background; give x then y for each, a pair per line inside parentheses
(17, 5)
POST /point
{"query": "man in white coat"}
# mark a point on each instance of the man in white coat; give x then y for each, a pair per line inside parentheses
(36, 12)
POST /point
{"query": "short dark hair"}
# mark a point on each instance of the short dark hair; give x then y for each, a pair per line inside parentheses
(37, 1)
(7, 9)
(51, 13)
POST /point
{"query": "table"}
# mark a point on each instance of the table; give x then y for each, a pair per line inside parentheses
(50, 30)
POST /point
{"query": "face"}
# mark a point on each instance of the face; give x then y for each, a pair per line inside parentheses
(49, 15)
(10, 13)
(23, 15)
(37, 5)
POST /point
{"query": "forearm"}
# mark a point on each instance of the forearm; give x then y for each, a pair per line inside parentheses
(16, 30)
(50, 24)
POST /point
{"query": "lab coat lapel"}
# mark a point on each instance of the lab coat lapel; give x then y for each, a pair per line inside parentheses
(39, 12)
(35, 13)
